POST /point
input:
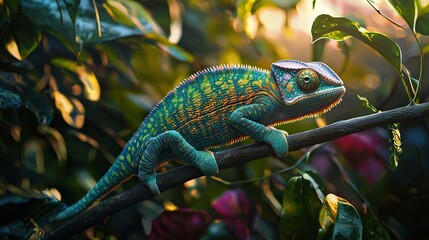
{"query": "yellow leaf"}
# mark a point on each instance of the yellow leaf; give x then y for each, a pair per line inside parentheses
(90, 82)
(56, 140)
(328, 214)
(71, 109)
(53, 193)
(329, 211)
(85, 138)
(33, 156)
(13, 49)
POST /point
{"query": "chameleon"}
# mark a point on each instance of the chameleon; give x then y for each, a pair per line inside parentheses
(220, 106)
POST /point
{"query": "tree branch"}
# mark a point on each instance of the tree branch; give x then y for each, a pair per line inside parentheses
(227, 159)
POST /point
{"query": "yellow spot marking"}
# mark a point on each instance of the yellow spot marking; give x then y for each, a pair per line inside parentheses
(123, 167)
(171, 122)
(289, 87)
(174, 102)
(181, 110)
(206, 86)
(225, 86)
(219, 82)
(243, 82)
(196, 99)
(191, 89)
(257, 83)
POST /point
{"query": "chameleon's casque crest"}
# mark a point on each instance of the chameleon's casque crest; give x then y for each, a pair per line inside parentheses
(286, 74)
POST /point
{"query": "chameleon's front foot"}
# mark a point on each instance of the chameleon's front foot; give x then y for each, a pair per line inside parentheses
(278, 141)
(206, 162)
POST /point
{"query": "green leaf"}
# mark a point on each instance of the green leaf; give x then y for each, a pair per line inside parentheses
(91, 88)
(117, 19)
(20, 43)
(71, 109)
(39, 104)
(422, 22)
(33, 156)
(339, 29)
(339, 219)
(317, 183)
(366, 104)
(372, 228)
(53, 17)
(407, 9)
(9, 98)
(300, 210)
(318, 49)
(56, 140)
(72, 7)
(175, 51)
(105, 21)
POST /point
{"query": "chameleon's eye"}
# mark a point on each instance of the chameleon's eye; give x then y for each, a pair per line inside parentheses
(308, 80)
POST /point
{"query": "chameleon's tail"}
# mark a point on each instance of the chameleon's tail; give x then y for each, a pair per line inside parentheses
(119, 172)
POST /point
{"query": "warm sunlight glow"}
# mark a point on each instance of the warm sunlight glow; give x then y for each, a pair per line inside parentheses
(272, 18)
(305, 16)
(169, 206)
(372, 81)
(251, 26)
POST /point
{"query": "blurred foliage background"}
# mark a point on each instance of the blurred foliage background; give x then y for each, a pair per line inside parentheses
(78, 77)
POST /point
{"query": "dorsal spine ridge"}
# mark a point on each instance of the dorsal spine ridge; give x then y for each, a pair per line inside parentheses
(221, 67)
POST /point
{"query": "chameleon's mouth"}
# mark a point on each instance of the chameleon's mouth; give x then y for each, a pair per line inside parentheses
(337, 94)
(310, 107)
(323, 96)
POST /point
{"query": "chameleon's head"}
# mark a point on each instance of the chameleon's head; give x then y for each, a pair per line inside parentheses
(308, 88)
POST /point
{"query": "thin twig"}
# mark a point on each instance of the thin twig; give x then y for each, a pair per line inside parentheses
(305, 157)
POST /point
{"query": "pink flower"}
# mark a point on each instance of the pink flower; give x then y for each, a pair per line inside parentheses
(237, 211)
(367, 152)
(181, 223)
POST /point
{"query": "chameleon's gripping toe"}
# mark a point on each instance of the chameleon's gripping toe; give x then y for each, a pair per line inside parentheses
(277, 139)
(150, 181)
(206, 162)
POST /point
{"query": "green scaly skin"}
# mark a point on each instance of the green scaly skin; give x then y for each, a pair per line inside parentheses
(218, 106)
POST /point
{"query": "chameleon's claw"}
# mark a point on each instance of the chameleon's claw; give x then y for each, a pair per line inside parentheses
(275, 129)
(206, 162)
(150, 181)
(277, 139)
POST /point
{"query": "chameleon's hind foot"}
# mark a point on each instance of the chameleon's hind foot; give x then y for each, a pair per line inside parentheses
(150, 181)
(204, 160)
